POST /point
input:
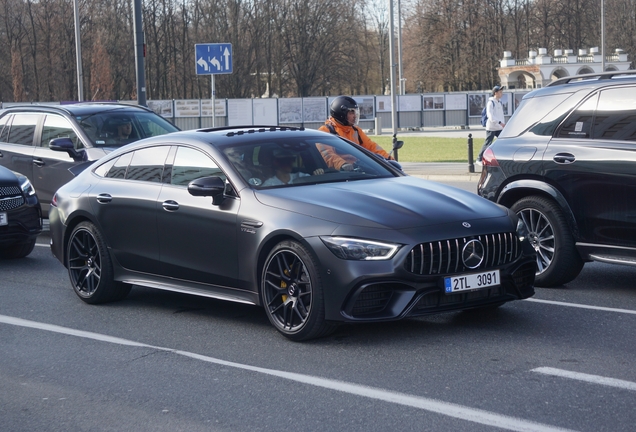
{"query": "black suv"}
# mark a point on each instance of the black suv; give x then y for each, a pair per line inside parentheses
(20, 215)
(566, 163)
(44, 141)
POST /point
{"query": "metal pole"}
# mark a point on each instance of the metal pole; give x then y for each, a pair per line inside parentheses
(392, 57)
(213, 101)
(602, 35)
(139, 54)
(78, 54)
(401, 76)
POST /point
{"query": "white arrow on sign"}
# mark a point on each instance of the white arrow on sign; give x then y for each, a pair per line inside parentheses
(214, 62)
(226, 54)
(203, 64)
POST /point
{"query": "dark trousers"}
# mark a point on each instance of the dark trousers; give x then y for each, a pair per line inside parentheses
(490, 136)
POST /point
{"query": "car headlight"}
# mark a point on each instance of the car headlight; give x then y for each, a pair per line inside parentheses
(359, 249)
(522, 230)
(26, 186)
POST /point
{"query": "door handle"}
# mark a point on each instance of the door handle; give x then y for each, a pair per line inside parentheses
(39, 162)
(564, 158)
(104, 198)
(170, 205)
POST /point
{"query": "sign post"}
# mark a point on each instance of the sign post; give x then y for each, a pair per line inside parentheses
(212, 59)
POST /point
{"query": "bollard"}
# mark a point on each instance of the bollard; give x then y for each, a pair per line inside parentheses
(471, 164)
(378, 125)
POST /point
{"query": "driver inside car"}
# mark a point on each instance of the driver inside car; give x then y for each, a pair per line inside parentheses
(283, 164)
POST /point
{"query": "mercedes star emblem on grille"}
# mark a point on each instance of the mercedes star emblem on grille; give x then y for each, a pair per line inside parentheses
(473, 254)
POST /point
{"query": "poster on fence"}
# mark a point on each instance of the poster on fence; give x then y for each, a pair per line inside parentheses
(206, 107)
(409, 103)
(265, 112)
(161, 107)
(290, 110)
(239, 112)
(187, 108)
(314, 109)
(455, 102)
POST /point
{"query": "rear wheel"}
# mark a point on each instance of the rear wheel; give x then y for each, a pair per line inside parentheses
(90, 267)
(18, 250)
(558, 261)
(292, 293)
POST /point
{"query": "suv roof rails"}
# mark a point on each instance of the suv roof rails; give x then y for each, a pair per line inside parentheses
(592, 76)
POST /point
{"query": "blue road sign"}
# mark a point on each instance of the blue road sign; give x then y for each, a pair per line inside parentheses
(213, 58)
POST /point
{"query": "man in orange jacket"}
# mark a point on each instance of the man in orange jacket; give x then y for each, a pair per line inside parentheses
(345, 114)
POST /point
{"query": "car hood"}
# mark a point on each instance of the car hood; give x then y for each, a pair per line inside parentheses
(398, 203)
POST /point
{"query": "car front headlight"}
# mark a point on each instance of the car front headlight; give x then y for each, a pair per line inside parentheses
(522, 230)
(26, 186)
(359, 249)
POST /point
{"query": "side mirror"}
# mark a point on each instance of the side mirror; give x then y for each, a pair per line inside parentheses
(67, 146)
(398, 145)
(208, 186)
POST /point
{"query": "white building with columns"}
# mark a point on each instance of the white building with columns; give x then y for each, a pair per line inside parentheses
(539, 69)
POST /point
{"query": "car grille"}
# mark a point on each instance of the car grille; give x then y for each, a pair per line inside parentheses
(10, 198)
(445, 256)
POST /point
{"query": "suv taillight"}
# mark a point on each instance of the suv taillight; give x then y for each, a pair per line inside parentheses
(489, 159)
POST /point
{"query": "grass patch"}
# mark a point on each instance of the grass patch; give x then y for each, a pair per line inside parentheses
(431, 149)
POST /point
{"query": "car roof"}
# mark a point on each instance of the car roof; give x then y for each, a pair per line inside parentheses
(590, 81)
(77, 109)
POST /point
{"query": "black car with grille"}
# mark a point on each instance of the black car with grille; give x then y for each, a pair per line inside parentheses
(566, 164)
(20, 216)
(257, 215)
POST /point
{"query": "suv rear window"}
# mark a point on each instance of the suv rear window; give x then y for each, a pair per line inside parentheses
(531, 111)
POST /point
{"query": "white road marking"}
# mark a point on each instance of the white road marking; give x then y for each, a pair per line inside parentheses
(444, 408)
(43, 244)
(595, 379)
(575, 305)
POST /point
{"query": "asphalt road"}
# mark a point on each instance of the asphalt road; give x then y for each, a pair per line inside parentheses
(161, 361)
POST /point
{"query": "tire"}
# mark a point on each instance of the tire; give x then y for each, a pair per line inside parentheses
(90, 267)
(558, 261)
(18, 250)
(292, 293)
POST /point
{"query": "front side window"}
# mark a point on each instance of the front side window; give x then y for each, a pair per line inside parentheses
(616, 115)
(58, 127)
(23, 128)
(190, 164)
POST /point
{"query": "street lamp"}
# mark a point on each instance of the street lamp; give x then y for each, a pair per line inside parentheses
(602, 35)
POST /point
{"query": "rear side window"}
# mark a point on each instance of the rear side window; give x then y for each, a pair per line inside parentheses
(533, 110)
(147, 164)
(23, 128)
(579, 123)
(616, 115)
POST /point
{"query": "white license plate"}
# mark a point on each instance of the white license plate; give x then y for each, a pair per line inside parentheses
(4, 220)
(472, 281)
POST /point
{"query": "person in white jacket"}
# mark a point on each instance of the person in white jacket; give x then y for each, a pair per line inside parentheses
(496, 119)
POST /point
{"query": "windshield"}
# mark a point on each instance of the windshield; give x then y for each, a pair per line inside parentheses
(304, 160)
(115, 128)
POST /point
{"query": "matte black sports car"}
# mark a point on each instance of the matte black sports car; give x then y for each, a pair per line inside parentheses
(256, 215)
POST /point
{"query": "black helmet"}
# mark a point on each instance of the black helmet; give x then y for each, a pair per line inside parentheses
(341, 106)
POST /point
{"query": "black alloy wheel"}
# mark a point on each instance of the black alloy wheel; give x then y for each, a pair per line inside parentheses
(558, 261)
(292, 293)
(90, 268)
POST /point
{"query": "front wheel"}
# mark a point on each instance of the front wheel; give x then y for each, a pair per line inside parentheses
(558, 261)
(90, 267)
(292, 293)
